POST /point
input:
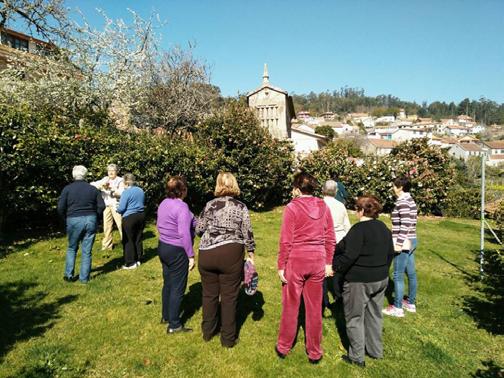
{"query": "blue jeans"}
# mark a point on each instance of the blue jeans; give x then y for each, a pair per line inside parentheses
(405, 263)
(80, 230)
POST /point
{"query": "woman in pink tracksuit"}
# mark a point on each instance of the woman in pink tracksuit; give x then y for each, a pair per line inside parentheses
(307, 245)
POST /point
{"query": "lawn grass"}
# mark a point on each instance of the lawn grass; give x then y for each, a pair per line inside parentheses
(110, 327)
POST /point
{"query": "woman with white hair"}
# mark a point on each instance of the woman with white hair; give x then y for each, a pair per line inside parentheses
(341, 227)
(131, 207)
(111, 187)
(80, 204)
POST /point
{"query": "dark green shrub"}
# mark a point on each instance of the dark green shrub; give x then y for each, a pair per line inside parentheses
(263, 165)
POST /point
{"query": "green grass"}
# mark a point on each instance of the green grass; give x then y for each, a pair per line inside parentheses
(110, 327)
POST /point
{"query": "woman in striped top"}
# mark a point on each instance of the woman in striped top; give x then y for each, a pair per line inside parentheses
(404, 221)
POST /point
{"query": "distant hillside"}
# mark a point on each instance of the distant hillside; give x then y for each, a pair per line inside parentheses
(349, 100)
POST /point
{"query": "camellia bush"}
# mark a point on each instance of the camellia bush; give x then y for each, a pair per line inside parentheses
(38, 151)
(263, 165)
(428, 167)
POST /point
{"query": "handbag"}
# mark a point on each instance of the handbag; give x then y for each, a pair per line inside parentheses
(250, 278)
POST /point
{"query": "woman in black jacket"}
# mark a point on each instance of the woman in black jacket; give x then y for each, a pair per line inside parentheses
(367, 253)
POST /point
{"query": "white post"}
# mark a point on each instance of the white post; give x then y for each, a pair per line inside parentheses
(482, 231)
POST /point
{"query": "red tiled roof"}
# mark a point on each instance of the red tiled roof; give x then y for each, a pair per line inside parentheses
(470, 147)
(382, 143)
(497, 144)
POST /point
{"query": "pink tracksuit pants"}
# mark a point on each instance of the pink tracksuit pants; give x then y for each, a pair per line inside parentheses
(304, 277)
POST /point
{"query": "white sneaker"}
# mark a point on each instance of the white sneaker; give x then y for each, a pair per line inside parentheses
(138, 263)
(393, 311)
(408, 306)
(134, 266)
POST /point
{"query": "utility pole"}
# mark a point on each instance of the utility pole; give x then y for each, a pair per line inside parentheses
(482, 230)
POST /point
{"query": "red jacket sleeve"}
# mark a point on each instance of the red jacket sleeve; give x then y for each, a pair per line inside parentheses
(286, 237)
(330, 238)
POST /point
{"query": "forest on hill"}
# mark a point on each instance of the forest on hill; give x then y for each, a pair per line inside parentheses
(349, 100)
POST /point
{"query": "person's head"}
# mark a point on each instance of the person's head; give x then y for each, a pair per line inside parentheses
(330, 188)
(401, 184)
(176, 187)
(368, 206)
(112, 171)
(129, 179)
(226, 185)
(79, 172)
(305, 183)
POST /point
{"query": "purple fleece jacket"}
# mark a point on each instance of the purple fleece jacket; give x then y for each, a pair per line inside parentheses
(176, 224)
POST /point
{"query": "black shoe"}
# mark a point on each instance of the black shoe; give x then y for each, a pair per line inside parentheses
(180, 329)
(69, 279)
(314, 362)
(211, 336)
(279, 354)
(348, 360)
(235, 343)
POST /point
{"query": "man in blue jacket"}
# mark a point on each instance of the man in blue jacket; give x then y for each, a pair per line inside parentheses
(80, 204)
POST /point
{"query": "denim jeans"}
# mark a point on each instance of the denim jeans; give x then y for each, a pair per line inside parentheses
(80, 230)
(405, 263)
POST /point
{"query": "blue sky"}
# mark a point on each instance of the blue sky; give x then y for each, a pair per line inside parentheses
(417, 50)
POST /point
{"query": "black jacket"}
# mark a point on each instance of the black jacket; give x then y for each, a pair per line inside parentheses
(365, 253)
(80, 199)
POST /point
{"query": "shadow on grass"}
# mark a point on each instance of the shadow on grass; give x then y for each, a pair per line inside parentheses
(23, 314)
(117, 262)
(491, 371)
(192, 302)
(487, 305)
(249, 304)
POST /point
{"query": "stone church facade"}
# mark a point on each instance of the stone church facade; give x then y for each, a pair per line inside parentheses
(274, 108)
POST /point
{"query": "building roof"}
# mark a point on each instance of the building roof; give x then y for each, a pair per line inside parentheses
(497, 144)
(497, 157)
(313, 135)
(449, 140)
(471, 147)
(26, 37)
(382, 143)
(357, 115)
(266, 84)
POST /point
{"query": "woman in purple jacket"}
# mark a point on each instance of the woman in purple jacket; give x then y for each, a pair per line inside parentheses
(175, 224)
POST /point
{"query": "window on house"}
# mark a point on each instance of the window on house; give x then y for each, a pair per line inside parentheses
(14, 42)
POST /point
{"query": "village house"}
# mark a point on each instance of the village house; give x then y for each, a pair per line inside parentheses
(12, 43)
(464, 151)
(377, 147)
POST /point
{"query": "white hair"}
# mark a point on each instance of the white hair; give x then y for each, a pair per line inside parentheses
(330, 188)
(112, 166)
(79, 172)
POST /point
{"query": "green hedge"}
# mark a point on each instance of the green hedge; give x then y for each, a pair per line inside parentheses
(428, 167)
(38, 153)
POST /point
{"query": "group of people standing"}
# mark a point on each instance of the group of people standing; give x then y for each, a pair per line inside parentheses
(317, 244)
(119, 200)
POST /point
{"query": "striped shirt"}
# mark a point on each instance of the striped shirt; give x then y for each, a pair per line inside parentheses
(404, 218)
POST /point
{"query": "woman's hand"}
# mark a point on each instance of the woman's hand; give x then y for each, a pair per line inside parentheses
(328, 271)
(191, 263)
(281, 274)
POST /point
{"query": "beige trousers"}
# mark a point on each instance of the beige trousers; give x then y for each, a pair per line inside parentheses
(109, 216)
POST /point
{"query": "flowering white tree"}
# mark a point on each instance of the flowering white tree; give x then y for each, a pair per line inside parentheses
(120, 70)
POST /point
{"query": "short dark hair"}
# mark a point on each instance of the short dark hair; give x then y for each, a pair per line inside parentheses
(402, 182)
(306, 183)
(176, 186)
(371, 206)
